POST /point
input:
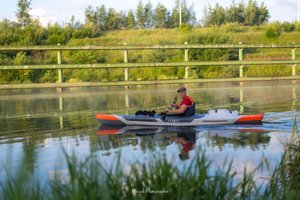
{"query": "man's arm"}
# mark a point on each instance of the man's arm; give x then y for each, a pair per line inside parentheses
(180, 110)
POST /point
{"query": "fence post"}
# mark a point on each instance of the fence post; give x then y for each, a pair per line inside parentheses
(59, 71)
(126, 71)
(186, 59)
(294, 58)
(241, 59)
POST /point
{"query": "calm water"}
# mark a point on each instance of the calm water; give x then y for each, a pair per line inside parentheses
(37, 124)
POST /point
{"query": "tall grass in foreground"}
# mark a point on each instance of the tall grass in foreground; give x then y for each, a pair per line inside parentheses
(160, 179)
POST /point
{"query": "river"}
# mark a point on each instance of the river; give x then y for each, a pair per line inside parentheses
(37, 125)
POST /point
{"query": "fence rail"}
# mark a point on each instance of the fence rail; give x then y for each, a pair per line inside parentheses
(142, 65)
(147, 47)
(126, 65)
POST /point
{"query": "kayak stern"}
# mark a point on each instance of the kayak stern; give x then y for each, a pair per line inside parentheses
(110, 120)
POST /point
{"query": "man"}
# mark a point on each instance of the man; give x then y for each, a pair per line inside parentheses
(186, 107)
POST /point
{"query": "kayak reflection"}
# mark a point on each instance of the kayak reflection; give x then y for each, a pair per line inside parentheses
(144, 130)
(186, 137)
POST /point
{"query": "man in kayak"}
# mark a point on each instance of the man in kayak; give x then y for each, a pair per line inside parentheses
(186, 107)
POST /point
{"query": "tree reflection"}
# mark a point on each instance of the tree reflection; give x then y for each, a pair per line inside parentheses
(238, 138)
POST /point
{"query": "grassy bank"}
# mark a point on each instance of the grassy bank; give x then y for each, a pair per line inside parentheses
(160, 179)
(227, 34)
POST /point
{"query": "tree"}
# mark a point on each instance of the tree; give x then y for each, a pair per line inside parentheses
(140, 15)
(175, 15)
(148, 15)
(112, 21)
(188, 14)
(57, 35)
(264, 14)
(215, 16)
(236, 13)
(161, 16)
(249, 15)
(252, 13)
(102, 16)
(90, 15)
(131, 20)
(23, 15)
(9, 32)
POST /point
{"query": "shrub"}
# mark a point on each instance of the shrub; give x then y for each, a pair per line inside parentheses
(185, 28)
(234, 27)
(287, 27)
(297, 26)
(211, 54)
(273, 30)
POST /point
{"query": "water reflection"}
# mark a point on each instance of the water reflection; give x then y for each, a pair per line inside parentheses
(242, 137)
(61, 110)
(242, 108)
(185, 137)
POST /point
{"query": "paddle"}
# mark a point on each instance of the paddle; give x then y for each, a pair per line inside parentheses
(173, 102)
(164, 114)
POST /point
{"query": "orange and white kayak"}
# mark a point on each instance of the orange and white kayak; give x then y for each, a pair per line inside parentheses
(213, 117)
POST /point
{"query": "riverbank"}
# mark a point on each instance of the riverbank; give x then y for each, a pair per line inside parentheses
(216, 35)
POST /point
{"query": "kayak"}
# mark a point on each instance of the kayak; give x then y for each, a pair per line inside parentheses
(213, 117)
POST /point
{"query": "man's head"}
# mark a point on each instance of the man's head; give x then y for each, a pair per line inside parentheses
(182, 92)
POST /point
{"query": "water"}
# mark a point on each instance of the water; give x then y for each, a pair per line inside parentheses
(36, 125)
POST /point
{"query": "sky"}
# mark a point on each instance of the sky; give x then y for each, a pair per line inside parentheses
(62, 10)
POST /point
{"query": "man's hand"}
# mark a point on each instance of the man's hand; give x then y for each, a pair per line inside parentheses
(173, 105)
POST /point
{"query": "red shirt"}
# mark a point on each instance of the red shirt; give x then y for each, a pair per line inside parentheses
(188, 101)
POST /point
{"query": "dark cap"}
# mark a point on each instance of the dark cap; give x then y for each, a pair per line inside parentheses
(182, 89)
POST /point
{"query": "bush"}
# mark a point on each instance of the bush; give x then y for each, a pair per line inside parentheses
(211, 54)
(185, 28)
(273, 30)
(287, 27)
(297, 26)
(234, 28)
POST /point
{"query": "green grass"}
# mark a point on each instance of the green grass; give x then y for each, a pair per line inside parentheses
(160, 179)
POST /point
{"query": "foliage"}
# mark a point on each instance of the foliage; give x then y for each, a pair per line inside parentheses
(288, 27)
(211, 54)
(161, 16)
(274, 30)
(131, 21)
(234, 27)
(23, 15)
(100, 28)
(188, 14)
(249, 15)
(185, 28)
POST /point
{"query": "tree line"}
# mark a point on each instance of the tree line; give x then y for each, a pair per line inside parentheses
(29, 31)
(145, 16)
(250, 14)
